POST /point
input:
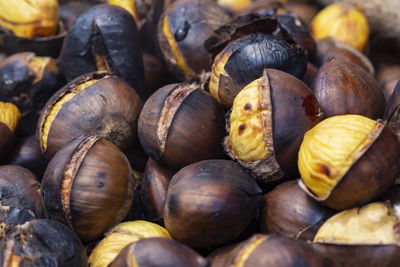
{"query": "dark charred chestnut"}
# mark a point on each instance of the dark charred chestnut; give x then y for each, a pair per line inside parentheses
(27, 153)
(268, 250)
(9, 119)
(158, 252)
(181, 124)
(210, 203)
(182, 30)
(99, 104)
(104, 37)
(242, 58)
(288, 210)
(268, 120)
(20, 199)
(345, 88)
(88, 185)
(42, 243)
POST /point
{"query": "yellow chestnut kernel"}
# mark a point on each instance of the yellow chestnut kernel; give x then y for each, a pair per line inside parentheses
(235, 4)
(180, 61)
(31, 18)
(57, 107)
(9, 115)
(218, 69)
(342, 21)
(247, 132)
(330, 148)
(37, 66)
(120, 236)
(371, 224)
(128, 5)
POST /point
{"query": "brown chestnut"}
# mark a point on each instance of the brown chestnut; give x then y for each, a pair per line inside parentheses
(288, 210)
(158, 251)
(181, 124)
(210, 203)
(342, 87)
(88, 185)
(9, 119)
(94, 104)
(387, 77)
(182, 30)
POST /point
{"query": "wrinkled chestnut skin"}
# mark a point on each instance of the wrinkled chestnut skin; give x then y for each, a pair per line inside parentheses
(7, 140)
(88, 185)
(42, 243)
(191, 23)
(345, 88)
(158, 252)
(210, 203)
(108, 108)
(270, 250)
(196, 130)
(288, 210)
(26, 153)
(109, 31)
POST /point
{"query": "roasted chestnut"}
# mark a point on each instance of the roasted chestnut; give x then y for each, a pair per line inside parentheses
(239, 61)
(72, 9)
(348, 160)
(268, 250)
(9, 118)
(182, 30)
(42, 243)
(119, 237)
(155, 75)
(99, 104)
(104, 37)
(210, 203)
(268, 120)
(181, 124)
(343, 88)
(288, 210)
(88, 185)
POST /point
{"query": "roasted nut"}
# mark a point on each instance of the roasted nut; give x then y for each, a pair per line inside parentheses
(181, 124)
(104, 37)
(155, 75)
(375, 223)
(288, 210)
(42, 243)
(119, 237)
(344, 21)
(88, 185)
(9, 118)
(235, 5)
(99, 104)
(310, 73)
(210, 203)
(343, 88)
(72, 9)
(158, 252)
(268, 250)
(268, 120)
(182, 30)
(348, 160)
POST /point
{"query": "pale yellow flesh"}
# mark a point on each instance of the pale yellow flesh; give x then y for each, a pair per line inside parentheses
(329, 149)
(9, 115)
(372, 224)
(30, 18)
(218, 69)
(128, 5)
(58, 106)
(235, 4)
(344, 22)
(122, 235)
(246, 125)
(37, 66)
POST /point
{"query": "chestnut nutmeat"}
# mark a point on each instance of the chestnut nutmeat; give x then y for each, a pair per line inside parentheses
(181, 124)
(210, 203)
(268, 120)
(88, 185)
(9, 119)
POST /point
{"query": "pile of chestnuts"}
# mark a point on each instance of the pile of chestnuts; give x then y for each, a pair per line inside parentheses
(197, 133)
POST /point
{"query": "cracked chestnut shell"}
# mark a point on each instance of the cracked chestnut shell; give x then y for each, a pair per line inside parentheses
(158, 252)
(348, 160)
(182, 30)
(210, 203)
(266, 126)
(88, 185)
(181, 124)
(342, 87)
(97, 103)
(104, 37)
(288, 210)
(42, 243)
